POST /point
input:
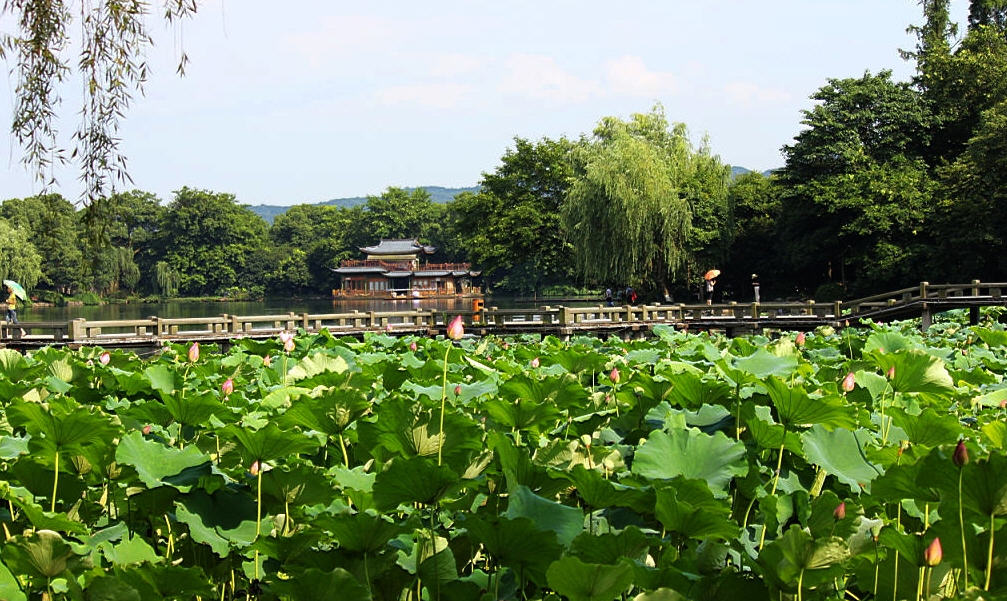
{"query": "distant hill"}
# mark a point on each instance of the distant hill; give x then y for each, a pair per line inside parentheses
(438, 194)
(736, 171)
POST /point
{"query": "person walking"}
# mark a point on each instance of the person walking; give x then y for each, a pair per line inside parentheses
(11, 305)
(710, 283)
(608, 297)
(755, 286)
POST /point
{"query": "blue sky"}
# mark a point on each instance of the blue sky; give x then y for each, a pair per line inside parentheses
(327, 99)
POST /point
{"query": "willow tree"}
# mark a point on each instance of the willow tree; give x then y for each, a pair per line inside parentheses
(645, 204)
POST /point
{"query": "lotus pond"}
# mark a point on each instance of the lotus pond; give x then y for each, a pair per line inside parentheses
(810, 466)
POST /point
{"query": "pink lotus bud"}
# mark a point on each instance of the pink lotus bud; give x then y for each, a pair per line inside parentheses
(961, 454)
(146, 429)
(227, 387)
(456, 329)
(267, 361)
(891, 373)
(255, 467)
(194, 352)
(287, 338)
(535, 362)
(614, 375)
(799, 340)
(388, 327)
(412, 346)
(104, 358)
(849, 382)
(933, 555)
(288, 346)
(458, 390)
(506, 346)
(1003, 403)
(840, 511)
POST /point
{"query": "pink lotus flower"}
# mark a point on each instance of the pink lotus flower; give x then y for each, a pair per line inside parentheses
(287, 338)
(147, 429)
(799, 340)
(458, 390)
(388, 327)
(891, 373)
(255, 467)
(194, 352)
(412, 346)
(535, 362)
(961, 454)
(456, 329)
(614, 375)
(227, 387)
(267, 361)
(933, 555)
(840, 511)
(104, 358)
(849, 382)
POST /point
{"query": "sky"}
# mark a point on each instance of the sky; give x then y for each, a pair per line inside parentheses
(326, 99)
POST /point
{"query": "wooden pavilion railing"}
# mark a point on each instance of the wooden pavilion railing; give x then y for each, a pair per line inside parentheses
(918, 301)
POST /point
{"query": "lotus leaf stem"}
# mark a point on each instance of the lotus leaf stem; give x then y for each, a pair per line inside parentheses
(989, 554)
(961, 527)
(444, 398)
(258, 515)
(55, 481)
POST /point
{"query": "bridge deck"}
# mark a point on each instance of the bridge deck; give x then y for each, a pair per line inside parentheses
(921, 301)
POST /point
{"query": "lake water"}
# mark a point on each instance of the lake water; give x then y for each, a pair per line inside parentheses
(272, 306)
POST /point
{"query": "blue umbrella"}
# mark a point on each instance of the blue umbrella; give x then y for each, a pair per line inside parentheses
(18, 289)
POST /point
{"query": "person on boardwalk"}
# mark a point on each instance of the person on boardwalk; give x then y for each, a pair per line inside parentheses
(755, 286)
(11, 305)
(710, 283)
(608, 297)
(630, 295)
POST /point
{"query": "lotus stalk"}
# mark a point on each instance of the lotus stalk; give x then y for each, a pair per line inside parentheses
(989, 554)
(455, 331)
(55, 481)
(960, 457)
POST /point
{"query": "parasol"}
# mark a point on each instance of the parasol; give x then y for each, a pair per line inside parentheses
(711, 274)
(18, 289)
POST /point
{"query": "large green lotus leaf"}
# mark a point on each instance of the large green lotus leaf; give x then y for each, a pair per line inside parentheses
(842, 454)
(41, 553)
(162, 379)
(796, 408)
(518, 468)
(218, 520)
(578, 361)
(316, 364)
(301, 484)
(314, 584)
(661, 594)
(874, 384)
(996, 434)
(763, 364)
(994, 338)
(567, 522)
(40, 518)
(916, 371)
(766, 432)
(928, 428)
(432, 561)
(64, 425)
(580, 581)
(412, 480)
(691, 390)
(283, 396)
(12, 447)
(692, 454)
(523, 414)
(159, 465)
(359, 532)
(708, 418)
(599, 492)
(687, 506)
(563, 391)
(992, 398)
(194, 409)
(516, 543)
(910, 546)
(985, 485)
(915, 481)
(610, 547)
(330, 412)
(164, 581)
(15, 367)
(130, 550)
(888, 341)
(271, 443)
(112, 588)
(10, 590)
(785, 558)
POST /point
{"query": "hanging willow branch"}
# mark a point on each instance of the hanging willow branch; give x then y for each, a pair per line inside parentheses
(113, 42)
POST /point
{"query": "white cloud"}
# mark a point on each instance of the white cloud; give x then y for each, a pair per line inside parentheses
(453, 65)
(430, 95)
(346, 35)
(746, 93)
(542, 78)
(628, 75)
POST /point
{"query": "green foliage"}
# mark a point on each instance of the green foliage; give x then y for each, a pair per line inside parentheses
(19, 261)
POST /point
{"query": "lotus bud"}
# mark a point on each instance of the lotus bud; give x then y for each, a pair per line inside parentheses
(104, 358)
(535, 362)
(614, 376)
(255, 467)
(227, 387)
(147, 429)
(412, 346)
(388, 327)
(840, 511)
(961, 454)
(799, 340)
(1003, 403)
(456, 329)
(849, 382)
(891, 373)
(933, 554)
(194, 352)
(267, 361)
(458, 389)
(288, 346)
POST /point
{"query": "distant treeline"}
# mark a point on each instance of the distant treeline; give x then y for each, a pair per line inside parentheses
(886, 184)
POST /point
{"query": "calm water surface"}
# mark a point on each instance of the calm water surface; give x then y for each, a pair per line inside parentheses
(273, 306)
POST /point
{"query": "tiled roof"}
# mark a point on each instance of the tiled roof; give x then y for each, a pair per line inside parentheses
(428, 274)
(360, 270)
(398, 247)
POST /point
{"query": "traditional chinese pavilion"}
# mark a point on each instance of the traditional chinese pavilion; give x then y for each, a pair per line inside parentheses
(395, 269)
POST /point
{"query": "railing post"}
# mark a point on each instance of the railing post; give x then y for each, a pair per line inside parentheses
(76, 328)
(837, 308)
(305, 321)
(755, 310)
(975, 287)
(565, 316)
(923, 289)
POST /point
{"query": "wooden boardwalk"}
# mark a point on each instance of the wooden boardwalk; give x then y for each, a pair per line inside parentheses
(626, 321)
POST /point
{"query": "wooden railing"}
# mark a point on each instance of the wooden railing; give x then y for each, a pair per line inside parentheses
(493, 319)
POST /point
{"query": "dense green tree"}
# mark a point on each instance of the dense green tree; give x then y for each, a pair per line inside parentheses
(54, 229)
(119, 241)
(19, 260)
(855, 191)
(319, 233)
(638, 187)
(209, 240)
(511, 229)
(755, 206)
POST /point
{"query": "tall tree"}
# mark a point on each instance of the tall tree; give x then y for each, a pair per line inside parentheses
(19, 260)
(54, 228)
(855, 190)
(511, 228)
(209, 240)
(755, 206)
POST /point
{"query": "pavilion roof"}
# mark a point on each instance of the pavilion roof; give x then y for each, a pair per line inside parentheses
(409, 246)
